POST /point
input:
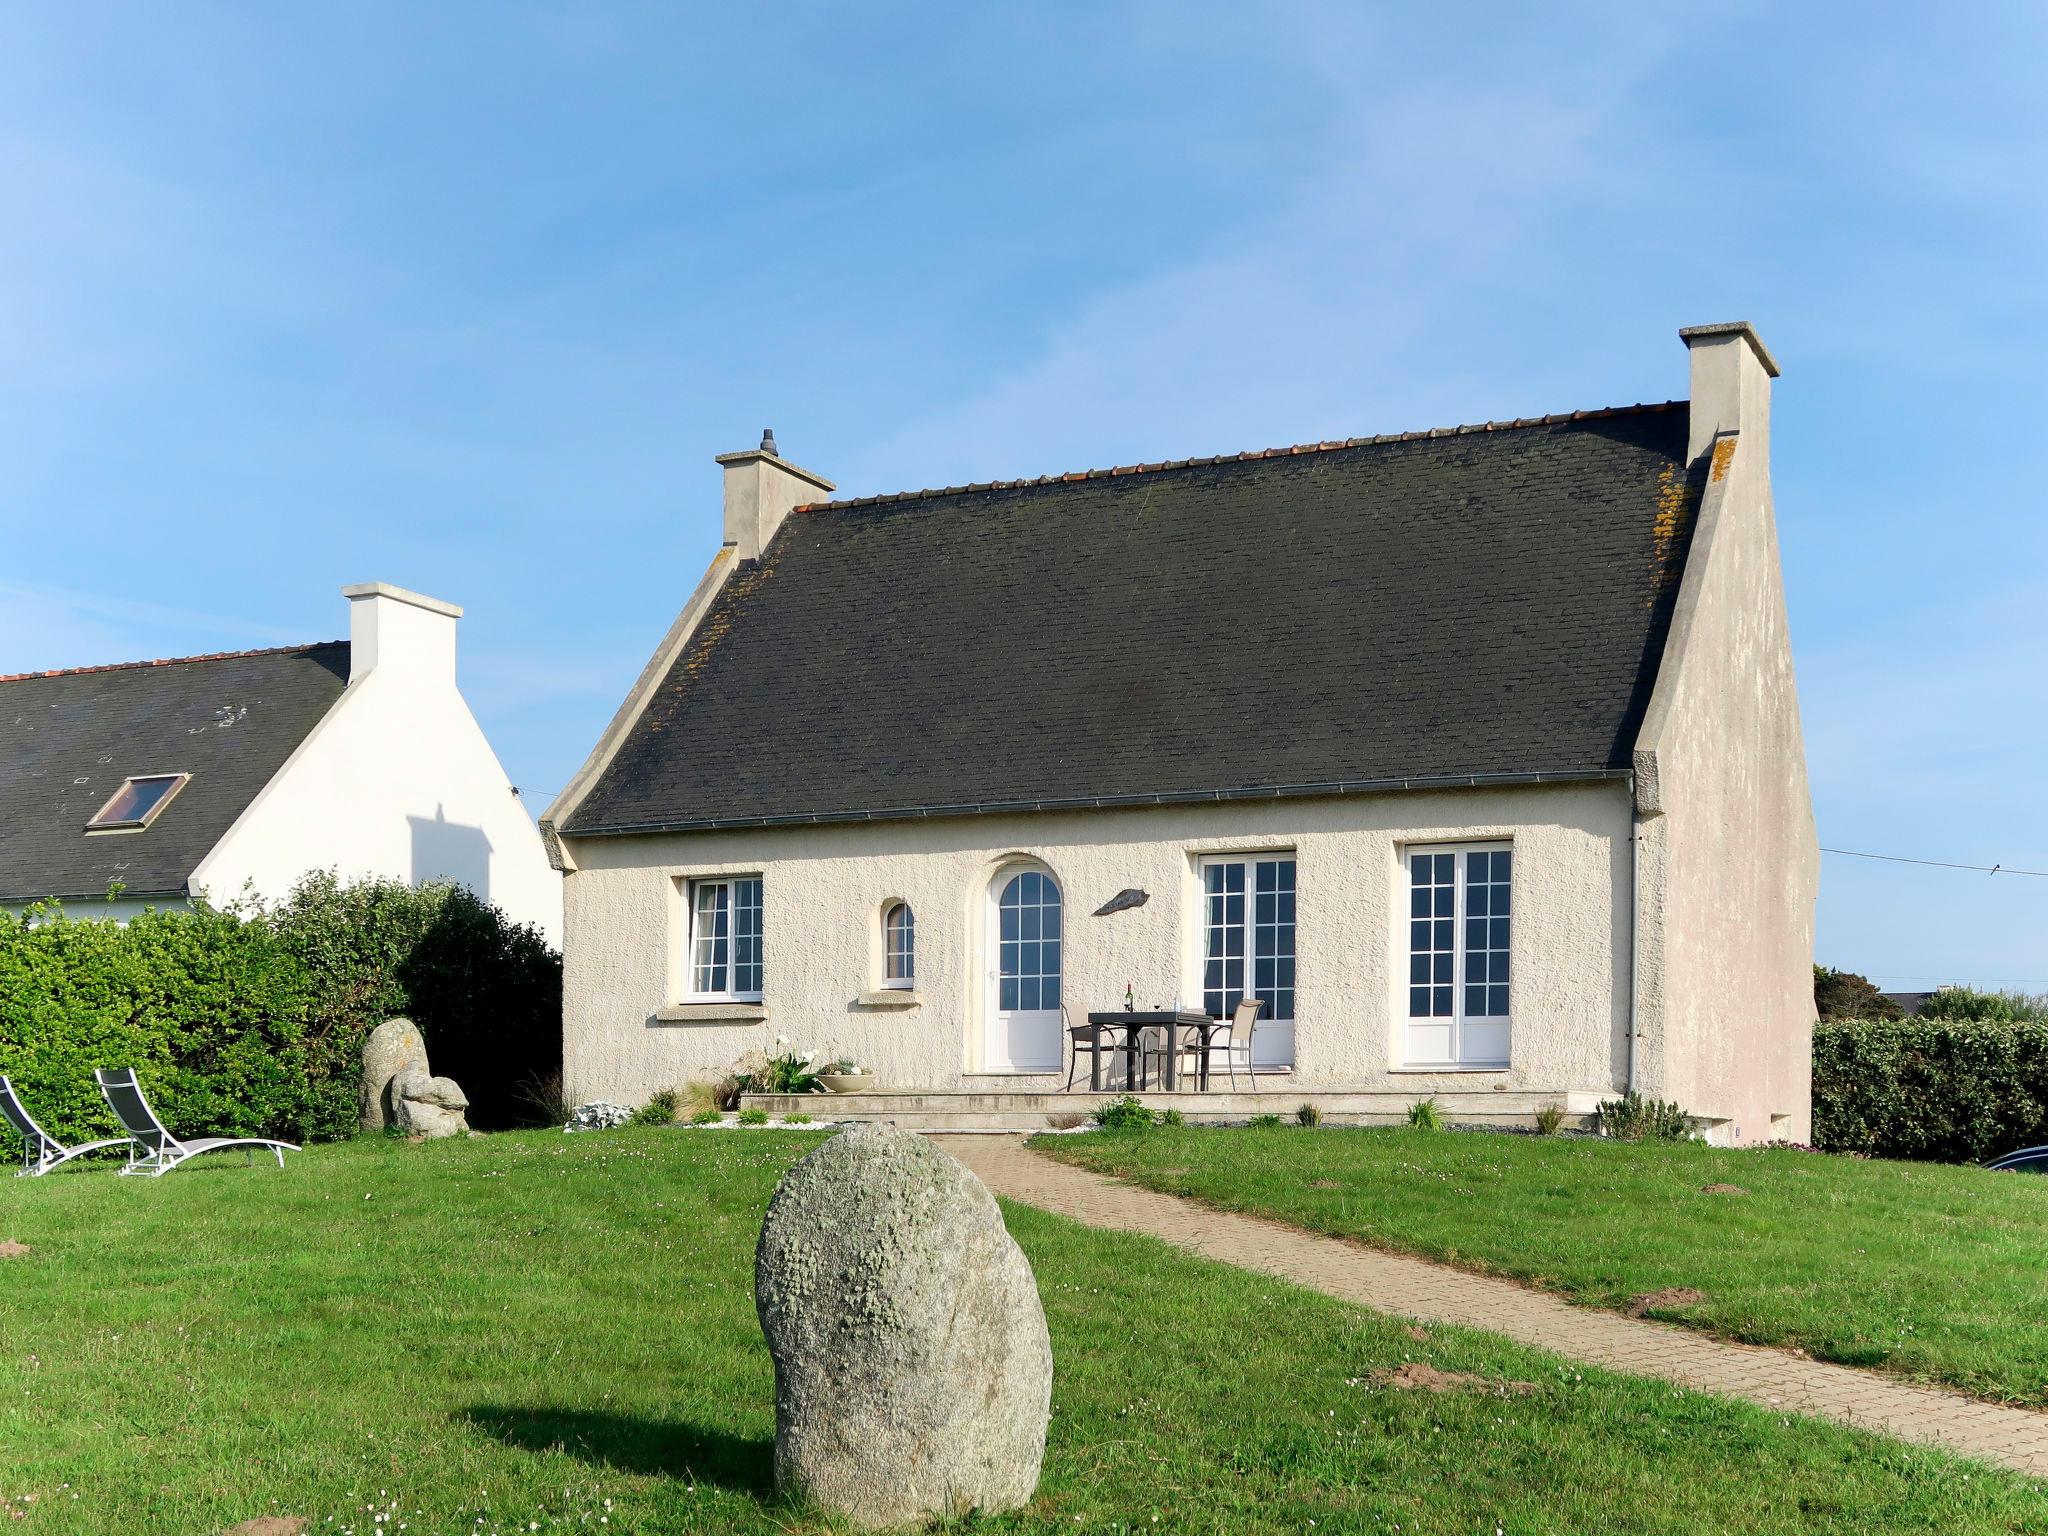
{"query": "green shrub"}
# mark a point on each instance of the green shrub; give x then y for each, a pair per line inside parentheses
(660, 1108)
(1263, 1122)
(753, 1115)
(1971, 1006)
(1423, 1115)
(706, 1117)
(1548, 1119)
(1942, 1089)
(213, 1012)
(1635, 1118)
(485, 992)
(1173, 1117)
(796, 1119)
(244, 1021)
(1308, 1115)
(1124, 1114)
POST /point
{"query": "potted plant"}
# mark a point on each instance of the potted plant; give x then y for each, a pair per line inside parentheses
(847, 1076)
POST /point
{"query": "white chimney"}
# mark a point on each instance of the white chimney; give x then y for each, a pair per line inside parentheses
(389, 626)
(1732, 371)
(760, 488)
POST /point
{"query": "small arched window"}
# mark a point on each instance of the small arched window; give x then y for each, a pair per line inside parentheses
(899, 946)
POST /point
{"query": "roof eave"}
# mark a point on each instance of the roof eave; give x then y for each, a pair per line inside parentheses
(1331, 788)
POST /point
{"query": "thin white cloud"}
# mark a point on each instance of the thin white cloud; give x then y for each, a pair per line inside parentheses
(46, 627)
(1325, 318)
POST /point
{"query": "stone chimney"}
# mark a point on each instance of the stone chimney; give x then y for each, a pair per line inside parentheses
(760, 488)
(1732, 371)
(405, 631)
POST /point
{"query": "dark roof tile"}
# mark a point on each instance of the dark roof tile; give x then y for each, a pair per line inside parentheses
(1482, 601)
(68, 739)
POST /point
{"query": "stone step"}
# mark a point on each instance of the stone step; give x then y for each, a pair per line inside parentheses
(942, 1110)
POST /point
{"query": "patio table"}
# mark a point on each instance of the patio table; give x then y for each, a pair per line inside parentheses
(1134, 1023)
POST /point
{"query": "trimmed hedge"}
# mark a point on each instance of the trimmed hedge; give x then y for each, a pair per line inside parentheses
(251, 1022)
(210, 1010)
(1943, 1090)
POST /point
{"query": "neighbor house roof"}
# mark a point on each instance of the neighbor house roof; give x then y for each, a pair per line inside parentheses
(1474, 604)
(69, 739)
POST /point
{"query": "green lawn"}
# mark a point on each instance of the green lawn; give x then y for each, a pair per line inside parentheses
(1931, 1272)
(544, 1332)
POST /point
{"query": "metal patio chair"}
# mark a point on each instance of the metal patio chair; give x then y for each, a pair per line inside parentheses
(40, 1151)
(1234, 1040)
(154, 1151)
(1090, 1040)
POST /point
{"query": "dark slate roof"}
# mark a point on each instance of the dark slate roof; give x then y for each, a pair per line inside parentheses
(68, 739)
(1473, 603)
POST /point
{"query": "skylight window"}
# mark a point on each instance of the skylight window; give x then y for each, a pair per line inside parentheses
(137, 801)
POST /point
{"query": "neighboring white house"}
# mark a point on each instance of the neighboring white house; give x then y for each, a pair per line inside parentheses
(1475, 753)
(240, 772)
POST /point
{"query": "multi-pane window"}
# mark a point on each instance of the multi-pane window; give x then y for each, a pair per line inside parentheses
(899, 946)
(1460, 912)
(1248, 917)
(725, 938)
(1028, 940)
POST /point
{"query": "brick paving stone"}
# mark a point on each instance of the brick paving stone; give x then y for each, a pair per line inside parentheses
(1435, 1293)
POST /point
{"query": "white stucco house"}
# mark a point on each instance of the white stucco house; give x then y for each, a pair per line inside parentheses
(1475, 753)
(236, 773)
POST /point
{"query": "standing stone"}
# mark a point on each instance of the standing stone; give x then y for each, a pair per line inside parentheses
(913, 1371)
(428, 1106)
(394, 1046)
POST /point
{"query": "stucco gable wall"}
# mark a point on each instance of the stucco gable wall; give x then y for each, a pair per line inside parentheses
(1731, 866)
(399, 781)
(825, 887)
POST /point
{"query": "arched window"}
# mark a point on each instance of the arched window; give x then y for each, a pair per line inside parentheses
(899, 946)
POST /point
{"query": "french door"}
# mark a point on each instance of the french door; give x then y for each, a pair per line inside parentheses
(1025, 941)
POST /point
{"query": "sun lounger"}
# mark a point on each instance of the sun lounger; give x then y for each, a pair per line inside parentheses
(154, 1151)
(40, 1150)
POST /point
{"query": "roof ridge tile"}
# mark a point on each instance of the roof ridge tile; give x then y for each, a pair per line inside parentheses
(165, 661)
(1249, 455)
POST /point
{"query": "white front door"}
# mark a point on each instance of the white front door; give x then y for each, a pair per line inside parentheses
(1024, 941)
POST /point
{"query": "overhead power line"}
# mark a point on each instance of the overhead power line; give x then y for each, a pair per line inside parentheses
(1895, 858)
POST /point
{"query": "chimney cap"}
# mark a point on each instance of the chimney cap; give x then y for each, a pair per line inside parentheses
(402, 595)
(768, 453)
(1691, 333)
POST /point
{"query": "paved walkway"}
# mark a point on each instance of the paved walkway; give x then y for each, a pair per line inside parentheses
(1434, 1293)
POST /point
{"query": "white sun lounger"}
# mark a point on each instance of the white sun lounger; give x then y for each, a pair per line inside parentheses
(40, 1151)
(154, 1151)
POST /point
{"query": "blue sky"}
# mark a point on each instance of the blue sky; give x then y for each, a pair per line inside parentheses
(467, 297)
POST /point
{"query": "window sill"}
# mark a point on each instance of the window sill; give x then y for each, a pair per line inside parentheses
(1450, 1068)
(711, 1013)
(890, 997)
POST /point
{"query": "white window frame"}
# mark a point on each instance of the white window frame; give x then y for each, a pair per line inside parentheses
(1251, 858)
(907, 982)
(1476, 1042)
(732, 886)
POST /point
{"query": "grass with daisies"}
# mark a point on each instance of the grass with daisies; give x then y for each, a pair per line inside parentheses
(546, 1333)
(1920, 1270)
